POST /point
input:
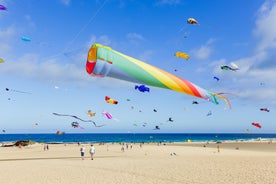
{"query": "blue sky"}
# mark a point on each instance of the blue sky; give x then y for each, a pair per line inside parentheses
(51, 67)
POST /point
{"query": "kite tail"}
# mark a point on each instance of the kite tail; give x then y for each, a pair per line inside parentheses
(224, 98)
(213, 97)
(76, 117)
(80, 127)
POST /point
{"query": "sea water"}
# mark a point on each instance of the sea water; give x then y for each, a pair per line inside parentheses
(134, 137)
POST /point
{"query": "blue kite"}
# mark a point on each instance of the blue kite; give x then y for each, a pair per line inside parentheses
(142, 88)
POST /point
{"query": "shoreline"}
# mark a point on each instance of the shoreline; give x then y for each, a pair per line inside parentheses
(249, 145)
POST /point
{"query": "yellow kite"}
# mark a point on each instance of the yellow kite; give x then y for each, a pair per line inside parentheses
(182, 55)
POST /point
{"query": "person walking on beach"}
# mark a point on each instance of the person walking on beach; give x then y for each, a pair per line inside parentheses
(92, 151)
(82, 150)
(218, 148)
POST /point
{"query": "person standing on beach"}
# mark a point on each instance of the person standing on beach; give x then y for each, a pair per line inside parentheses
(82, 150)
(92, 151)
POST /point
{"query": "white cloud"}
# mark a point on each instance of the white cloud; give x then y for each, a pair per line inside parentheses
(210, 41)
(265, 76)
(103, 39)
(4, 47)
(30, 22)
(263, 95)
(246, 81)
(51, 69)
(265, 25)
(66, 2)
(146, 55)
(215, 64)
(5, 36)
(265, 31)
(247, 64)
(29, 66)
(135, 38)
(260, 66)
(204, 51)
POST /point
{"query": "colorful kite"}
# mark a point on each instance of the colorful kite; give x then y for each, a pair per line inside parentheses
(192, 21)
(256, 125)
(76, 117)
(156, 128)
(182, 55)
(26, 39)
(232, 67)
(60, 133)
(103, 61)
(90, 113)
(216, 78)
(111, 101)
(2, 7)
(264, 109)
(107, 114)
(1, 60)
(170, 119)
(76, 125)
(142, 88)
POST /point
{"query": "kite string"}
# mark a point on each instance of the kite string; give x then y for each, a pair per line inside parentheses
(182, 28)
(85, 26)
(77, 35)
(13, 90)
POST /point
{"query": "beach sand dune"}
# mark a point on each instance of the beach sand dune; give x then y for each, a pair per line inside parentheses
(152, 163)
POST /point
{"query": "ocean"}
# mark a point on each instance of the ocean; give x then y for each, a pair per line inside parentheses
(133, 137)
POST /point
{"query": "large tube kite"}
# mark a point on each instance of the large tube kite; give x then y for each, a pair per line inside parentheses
(103, 61)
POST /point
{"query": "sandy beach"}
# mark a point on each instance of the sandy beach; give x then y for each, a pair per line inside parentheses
(236, 162)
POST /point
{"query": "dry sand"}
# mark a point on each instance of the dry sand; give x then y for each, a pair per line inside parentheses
(237, 162)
